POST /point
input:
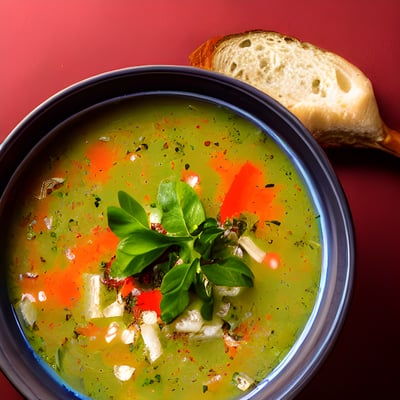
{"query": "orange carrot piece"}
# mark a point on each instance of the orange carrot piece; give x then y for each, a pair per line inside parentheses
(150, 301)
(127, 286)
(273, 260)
(90, 330)
(248, 193)
(101, 158)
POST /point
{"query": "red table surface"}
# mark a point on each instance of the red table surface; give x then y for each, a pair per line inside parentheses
(48, 45)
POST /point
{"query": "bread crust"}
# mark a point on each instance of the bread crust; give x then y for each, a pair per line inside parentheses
(347, 115)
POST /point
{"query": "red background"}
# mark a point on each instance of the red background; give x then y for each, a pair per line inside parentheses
(48, 45)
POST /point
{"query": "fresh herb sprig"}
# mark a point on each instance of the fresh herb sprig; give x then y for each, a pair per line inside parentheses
(189, 235)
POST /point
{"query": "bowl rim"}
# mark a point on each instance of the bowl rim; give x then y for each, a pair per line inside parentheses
(319, 337)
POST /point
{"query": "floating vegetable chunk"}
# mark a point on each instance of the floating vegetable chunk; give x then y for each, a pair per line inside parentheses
(179, 255)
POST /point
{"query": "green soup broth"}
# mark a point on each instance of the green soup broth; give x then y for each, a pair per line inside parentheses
(58, 239)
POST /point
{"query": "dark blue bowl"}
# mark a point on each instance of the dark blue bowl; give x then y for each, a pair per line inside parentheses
(31, 376)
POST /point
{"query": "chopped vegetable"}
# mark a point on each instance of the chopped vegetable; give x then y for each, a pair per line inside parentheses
(92, 306)
(242, 381)
(28, 309)
(112, 332)
(123, 372)
(252, 249)
(189, 322)
(149, 301)
(48, 186)
(127, 287)
(272, 260)
(150, 333)
(115, 309)
(100, 157)
(128, 335)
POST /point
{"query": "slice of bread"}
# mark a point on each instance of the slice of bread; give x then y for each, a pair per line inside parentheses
(330, 96)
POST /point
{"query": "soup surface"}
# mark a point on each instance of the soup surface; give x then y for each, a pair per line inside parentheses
(103, 323)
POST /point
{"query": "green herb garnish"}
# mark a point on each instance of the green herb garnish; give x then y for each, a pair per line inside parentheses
(194, 245)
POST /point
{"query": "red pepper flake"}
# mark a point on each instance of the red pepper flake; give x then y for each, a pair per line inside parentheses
(207, 143)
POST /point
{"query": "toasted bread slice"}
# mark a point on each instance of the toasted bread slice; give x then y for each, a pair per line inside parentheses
(330, 96)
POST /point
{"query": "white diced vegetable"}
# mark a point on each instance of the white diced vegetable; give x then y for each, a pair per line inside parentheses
(115, 309)
(155, 216)
(112, 332)
(48, 222)
(28, 309)
(252, 249)
(92, 306)
(42, 296)
(150, 333)
(242, 381)
(212, 330)
(123, 372)
(223, 309)
(191, 321)
(128, 336)
(149, 317)
(227, 291)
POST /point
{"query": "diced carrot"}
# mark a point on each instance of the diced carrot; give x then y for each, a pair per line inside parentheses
(226, 169)
(273, 260)
(150, 301)
(90, 330)
(101, 156)
(127, 286)
(248, 193)
(62, 286)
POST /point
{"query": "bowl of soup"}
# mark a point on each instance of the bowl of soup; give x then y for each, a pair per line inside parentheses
(168, 232)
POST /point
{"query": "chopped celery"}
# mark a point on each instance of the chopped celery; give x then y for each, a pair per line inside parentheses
(150, 331)
(242, 381)
(28, 309)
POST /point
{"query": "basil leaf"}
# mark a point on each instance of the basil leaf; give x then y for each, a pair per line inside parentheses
(207, 309)
(120, 265)
(205, 241)
(231, 271)
(175, 290)
(182, 209)
(127, 264)
(165, 266)
(180, 277)
(132, 207)
(204, 290)
(122, 223)
(173, 305)
(186, 250)
(206, 224)
(143, 241)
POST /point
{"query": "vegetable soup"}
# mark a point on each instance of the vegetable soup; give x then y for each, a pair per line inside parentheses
(162, 247)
